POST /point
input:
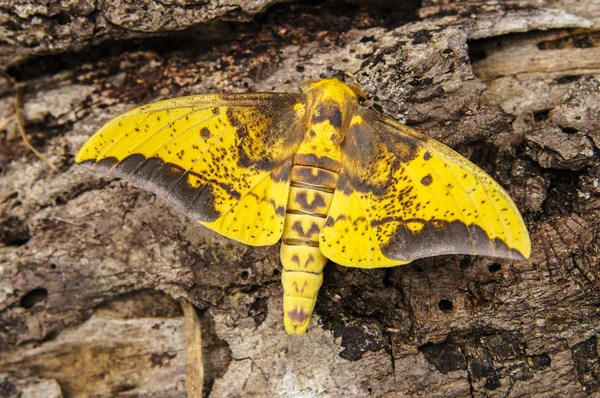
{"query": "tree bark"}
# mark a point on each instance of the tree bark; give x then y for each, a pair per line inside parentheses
(92, 269)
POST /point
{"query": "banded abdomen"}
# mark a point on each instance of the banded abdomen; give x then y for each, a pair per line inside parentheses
(313, 182)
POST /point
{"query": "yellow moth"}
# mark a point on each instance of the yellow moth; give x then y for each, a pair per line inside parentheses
(331, 179)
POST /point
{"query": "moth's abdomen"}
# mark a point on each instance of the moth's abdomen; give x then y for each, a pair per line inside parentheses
(311, 192)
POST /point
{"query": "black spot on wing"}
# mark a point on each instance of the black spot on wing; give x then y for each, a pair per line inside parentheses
(205, 132)
(439, 237)
(427, 180)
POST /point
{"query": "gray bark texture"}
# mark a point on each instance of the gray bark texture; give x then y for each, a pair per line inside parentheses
(92, 269)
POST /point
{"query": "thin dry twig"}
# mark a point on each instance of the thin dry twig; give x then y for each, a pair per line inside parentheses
(21, 122)
(6, 121)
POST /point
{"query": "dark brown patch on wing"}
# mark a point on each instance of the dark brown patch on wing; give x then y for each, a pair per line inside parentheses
(259, 130)
(283, 173)
(279, 210)
(439, 237)
(344, 184)
(169, 181)
(105, 165)
(372, 156)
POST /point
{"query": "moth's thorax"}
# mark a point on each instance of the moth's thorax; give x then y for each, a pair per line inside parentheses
(330, 105)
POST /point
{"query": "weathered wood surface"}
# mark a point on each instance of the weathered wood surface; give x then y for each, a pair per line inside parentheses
(91, 269)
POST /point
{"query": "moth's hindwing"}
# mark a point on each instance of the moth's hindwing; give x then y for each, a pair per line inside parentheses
(224, 160)
(403, 196)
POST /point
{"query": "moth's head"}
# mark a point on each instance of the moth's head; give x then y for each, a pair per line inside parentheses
(332, 87)
(332, 100)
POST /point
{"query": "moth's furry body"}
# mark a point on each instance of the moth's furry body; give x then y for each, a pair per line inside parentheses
(314, 177)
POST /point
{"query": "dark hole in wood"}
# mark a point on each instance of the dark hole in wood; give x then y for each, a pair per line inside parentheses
(495, 267)
(33, 297)
(445, 305)
(540, 116)
(569, 130)
(14, 232)
(127, 386)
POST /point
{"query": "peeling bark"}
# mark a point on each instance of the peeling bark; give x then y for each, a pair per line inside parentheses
(91, 269)
(31, 28)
